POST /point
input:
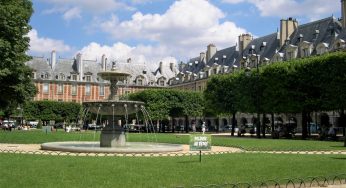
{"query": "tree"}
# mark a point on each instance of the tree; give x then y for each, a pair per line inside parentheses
(15, 76)
(52, 110)
(165, 103)
(220, 96)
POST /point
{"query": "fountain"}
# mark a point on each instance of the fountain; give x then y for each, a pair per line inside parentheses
(113, 139)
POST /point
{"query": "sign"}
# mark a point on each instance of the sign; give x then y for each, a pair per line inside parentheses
(200, 142)
(47, 129)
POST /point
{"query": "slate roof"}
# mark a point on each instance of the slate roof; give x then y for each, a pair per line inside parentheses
(150, 72)
(328, 29)
(225, 57)
(271, 42)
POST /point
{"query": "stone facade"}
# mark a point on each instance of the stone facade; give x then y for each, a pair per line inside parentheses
(76, 80)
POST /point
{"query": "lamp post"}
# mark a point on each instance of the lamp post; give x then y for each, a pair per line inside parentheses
(21, 115)
(256, 57)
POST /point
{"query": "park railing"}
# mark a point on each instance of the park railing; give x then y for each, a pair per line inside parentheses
(317, 181)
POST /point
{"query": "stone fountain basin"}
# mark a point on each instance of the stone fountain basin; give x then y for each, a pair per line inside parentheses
(94, 147)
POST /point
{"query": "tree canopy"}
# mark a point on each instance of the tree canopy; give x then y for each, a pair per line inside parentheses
(164, 103)
(52, 110)
(16, 84)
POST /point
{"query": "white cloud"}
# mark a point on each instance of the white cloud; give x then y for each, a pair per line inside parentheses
(312, 9)
(185, 29)
(121, 52)
(46, 45)
(71, 9)
(72, 13)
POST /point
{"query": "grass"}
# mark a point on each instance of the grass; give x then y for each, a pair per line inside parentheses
(251, 144)
(23, 170)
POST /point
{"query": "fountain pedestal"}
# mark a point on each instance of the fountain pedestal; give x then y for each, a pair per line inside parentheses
(112, 137)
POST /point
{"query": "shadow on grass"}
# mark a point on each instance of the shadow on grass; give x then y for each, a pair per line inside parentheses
(340, 147)
(339, 158)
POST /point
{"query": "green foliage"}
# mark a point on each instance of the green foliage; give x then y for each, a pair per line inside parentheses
(51, 110)
(310, 84)
(166, 102)
(16, 85)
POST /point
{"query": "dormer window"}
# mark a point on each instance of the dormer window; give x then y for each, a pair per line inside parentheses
(291, 52)
(339, 43)
(46, 76)
(33, 75)
(214, 71)
(306, 48)
(61, 76)
(263, 45)
(162, 83)
(139, 82)
(88, 78)
(74, 77)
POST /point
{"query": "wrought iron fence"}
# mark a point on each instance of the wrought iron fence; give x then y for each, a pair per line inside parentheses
(318, 181)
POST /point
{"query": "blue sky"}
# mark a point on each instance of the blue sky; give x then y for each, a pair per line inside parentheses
(154, 30)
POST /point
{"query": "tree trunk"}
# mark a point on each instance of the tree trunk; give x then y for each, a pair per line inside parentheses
(163, 128)
(233, 123)
(272, 124)
(304, 125)
(186, 124)
(258, 126)
(264, 125)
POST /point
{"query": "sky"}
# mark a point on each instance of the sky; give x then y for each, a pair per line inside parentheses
(149, 31)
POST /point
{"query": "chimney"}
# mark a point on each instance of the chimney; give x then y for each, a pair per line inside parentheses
(287, 27)
(80, 66)
(211, 51)
(171, 66)
(129, 60)
(244, 40)
(343, 13)
(53, 59)
(103, 62)
(202, 57)
(161, 67)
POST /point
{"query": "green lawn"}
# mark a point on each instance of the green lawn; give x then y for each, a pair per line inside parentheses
(23, 170)
(252, 144)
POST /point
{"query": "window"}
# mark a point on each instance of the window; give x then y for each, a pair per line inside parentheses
(102, 90)
(33, 75)
(87, 89)
(127, 92)
(162, 83)
(289, 55)
(305, 52)
(62, 76)
(88, 78)
(74, 77)
(215, 71)
(140, 82)
(46, 88)
(60, 88)
(74, 89)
